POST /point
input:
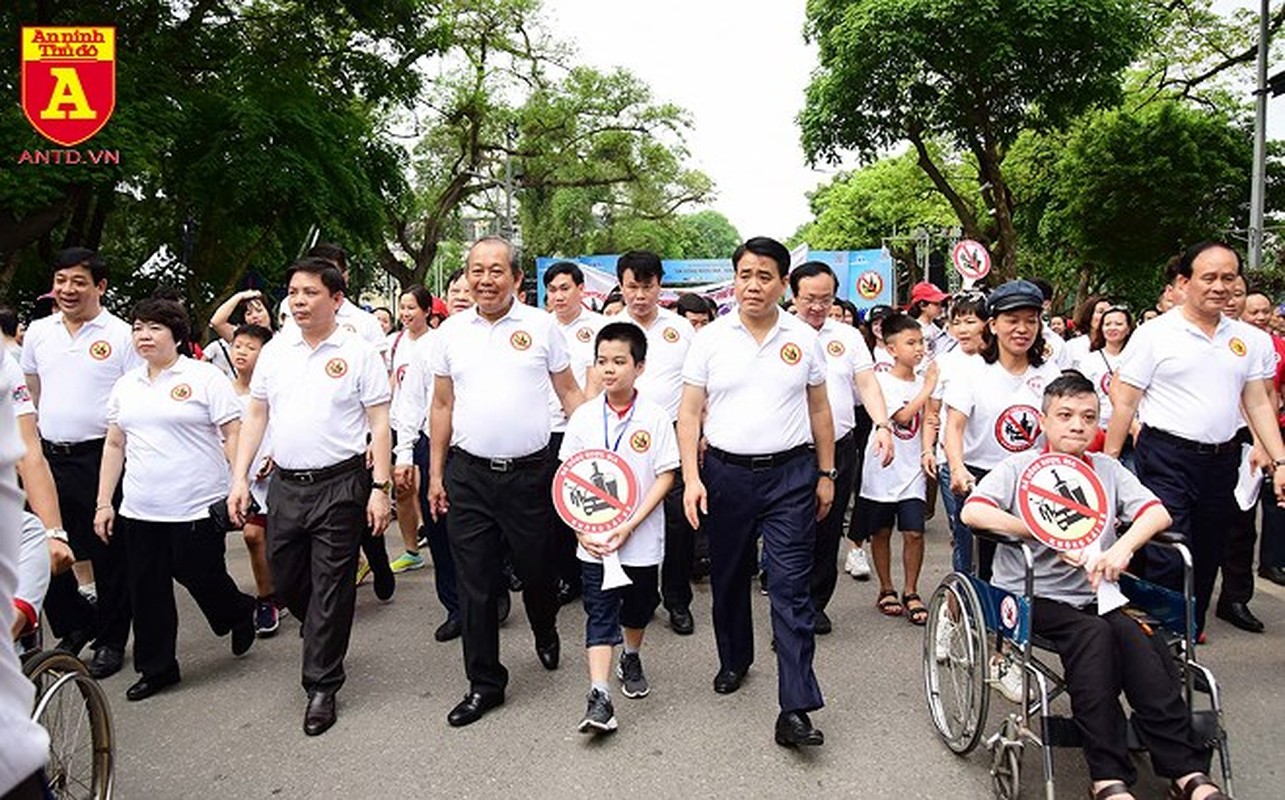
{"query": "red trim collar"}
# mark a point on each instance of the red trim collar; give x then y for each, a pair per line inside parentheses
(1083, 456)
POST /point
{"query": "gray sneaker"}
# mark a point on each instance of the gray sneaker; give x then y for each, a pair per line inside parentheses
(630, 672)
(600, 716)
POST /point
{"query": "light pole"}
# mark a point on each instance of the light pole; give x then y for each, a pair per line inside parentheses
(1260, 146)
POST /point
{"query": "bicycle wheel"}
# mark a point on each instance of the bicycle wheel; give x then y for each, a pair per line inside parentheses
(955, 664)
(71, 706)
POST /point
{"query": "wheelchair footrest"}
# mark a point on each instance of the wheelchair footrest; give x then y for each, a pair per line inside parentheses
(1204, 725)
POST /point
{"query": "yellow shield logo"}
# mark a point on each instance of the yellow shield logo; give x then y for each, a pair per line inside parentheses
(68, 81)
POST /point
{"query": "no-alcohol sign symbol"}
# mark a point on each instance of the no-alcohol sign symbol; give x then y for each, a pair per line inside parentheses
(594, 491)
(972, 260)
(1062, 501)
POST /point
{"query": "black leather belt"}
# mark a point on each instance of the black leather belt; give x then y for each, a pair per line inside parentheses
(537, 458)
(760, 463)
(71, 448)
(1202, 448)
(322, 473)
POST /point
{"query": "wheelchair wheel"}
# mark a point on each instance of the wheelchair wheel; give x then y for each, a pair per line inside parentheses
(72, 708)
(1006, 762)
(955, 664)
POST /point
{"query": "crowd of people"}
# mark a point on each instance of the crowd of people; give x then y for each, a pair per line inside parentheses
(760, 437)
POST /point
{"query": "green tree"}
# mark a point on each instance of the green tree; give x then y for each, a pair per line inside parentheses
(707, 234)
(973, 73)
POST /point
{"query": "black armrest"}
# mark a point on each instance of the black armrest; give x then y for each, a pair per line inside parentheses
(1000, 538)
(1169, 537)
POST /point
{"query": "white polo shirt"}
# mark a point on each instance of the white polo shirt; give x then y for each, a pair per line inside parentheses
(77, 373)
(352, 318)
(1192, 383)
(174, 461)
(12, 376)
(904, 478)
(1055, 349)
(258, 488)
(950, 365)
(579, 335)
(756, 393)
(644, 437)
(669, 337)
(1077, 350)
(1003, 409)
(501, 375)
(846, 354)
(410, 407)
(317, 398)
(401, 351)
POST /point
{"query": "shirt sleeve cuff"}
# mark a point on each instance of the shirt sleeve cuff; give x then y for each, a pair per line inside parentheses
(28, 613)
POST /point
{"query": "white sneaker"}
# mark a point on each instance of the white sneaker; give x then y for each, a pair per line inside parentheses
(1007, 678)
(945, 630)
(857, 565)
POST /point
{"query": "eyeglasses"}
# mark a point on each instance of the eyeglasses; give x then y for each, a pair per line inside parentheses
(814, 302)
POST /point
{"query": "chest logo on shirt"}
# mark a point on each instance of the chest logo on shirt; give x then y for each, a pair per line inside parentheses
(791, 353)
(584, 335)
(521, 340)
(670, 335)
(1105, 383)
(882, 366)
(1017, 428)
(835, 348)
(336, 367)
(100, 350)
(348, 326)
(401, 373)
(907, 432)
(640, 442)
(181, 392)
(21, 394)
(1048, 351)
(1237, 347)
(1036, 385)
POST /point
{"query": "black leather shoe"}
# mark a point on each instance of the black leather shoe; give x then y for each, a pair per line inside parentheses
(568, 593)
(106, 662)
(146, 686)
(385, 582)
(821, 624)
(1238, 614)
(794, 729)
(504, 605)
(472, 708)
(75, 641)
(728, 681)
(448, 630)
(680, 619)
(549, 652)
(320, 713)
(242, 636)
(1274, 574)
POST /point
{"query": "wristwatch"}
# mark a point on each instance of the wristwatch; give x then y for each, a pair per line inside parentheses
(887, 426)
(386, 487)
(1277, 463)
(57, 533)
(832, 474)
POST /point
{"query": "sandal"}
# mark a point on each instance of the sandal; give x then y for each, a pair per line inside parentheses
(1194, 783)
(888, 604)
(918, 614)
(1116, 789)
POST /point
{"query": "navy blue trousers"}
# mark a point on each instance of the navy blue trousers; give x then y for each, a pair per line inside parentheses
(780, 505)
(438, 545)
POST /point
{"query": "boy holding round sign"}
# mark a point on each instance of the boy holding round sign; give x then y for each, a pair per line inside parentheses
(1070, 502)
(618, 458)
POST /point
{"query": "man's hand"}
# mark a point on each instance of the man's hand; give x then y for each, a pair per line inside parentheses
(883, 444)
(238, 501)
(404, 477)
(61, 557)
(1258, 458)
(695, 502)
(1109, 565)
(378, 511)
(961, 481)
(104, 518)
(438, 504)
(929, 462)
(825, 497)
(1278, 483)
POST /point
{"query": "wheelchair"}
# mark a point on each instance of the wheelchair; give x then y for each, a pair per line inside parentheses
(73, 709)
(957, 680)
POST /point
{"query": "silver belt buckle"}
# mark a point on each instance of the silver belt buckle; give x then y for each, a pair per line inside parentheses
(760, 463)
(501, 464)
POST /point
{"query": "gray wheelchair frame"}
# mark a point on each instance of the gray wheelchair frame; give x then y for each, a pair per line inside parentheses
(974, 607)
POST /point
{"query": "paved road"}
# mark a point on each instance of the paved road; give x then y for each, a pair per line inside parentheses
(232, 728)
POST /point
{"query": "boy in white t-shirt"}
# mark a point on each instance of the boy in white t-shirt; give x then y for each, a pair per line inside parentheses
(640, 432)
(896, 493)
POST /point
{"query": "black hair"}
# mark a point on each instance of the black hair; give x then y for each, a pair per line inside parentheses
(81, 257)
(1046, 288)
(643, 264)
(1099, 340)
(966, 303)
(391, 316)
(168, 292)
(1071, 383)
(8, 321)
(614, 296)
(850, 308)
(168, 313)
(811, 269)
(896, 323)
(328, 251)
(990, 345)
(515, 266)
(1189, 256)
(917, 308)
(1084, 314)
(238, 313)
(455, 276)
(264, 335)
(691, 303)
(564, 268)
(423, 297)
(768, 248)
(623, 332)
(330, 276)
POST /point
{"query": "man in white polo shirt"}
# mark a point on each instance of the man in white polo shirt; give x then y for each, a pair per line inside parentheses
(494, 366)
(1188, 374)
(850, 381)
(322, 390)
(759, 377)
(350, 316)
(564, 291)
(71, 360)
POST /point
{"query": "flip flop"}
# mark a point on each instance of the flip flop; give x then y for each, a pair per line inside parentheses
(888, 604)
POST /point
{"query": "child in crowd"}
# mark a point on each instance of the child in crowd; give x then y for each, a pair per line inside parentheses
(640, 432)
(896, 494)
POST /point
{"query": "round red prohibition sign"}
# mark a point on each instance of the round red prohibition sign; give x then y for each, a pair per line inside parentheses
(971, 259)
(1018, 428)
(869, 285)
(594, 491)
(1062, 501)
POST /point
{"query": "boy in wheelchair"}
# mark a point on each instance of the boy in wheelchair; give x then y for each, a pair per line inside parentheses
(1078, 608)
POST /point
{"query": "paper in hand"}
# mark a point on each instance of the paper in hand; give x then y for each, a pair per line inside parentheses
(1248, 480)
(613, 572)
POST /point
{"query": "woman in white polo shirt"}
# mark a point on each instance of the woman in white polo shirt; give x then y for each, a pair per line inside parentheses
(1106, 349)
(413, 309)
(173, 420)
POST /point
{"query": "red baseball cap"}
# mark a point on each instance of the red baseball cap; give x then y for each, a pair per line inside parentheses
(926, 292)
